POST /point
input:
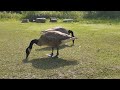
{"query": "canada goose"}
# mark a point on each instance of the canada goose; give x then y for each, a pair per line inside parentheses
(61, 29)
(53, 39)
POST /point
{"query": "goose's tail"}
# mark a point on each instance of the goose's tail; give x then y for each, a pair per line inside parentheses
(42, 32)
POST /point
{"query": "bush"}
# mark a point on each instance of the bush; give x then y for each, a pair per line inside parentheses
(25, 20)
(9, 15)
(102, 14)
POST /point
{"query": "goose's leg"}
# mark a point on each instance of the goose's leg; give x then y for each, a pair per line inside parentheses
(73, 42)
(50, 55)
(57, 53)
(52, 51)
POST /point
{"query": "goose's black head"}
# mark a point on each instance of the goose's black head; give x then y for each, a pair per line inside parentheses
(27, 52)
(70, 31)
(34, 41)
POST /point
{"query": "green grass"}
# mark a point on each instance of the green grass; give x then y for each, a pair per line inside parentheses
(96, 54)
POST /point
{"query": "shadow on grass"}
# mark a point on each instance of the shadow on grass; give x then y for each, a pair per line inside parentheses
(49, 48)
(50, 63)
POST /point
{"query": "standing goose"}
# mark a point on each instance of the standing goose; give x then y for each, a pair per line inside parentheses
(53, 39)
(61, 29)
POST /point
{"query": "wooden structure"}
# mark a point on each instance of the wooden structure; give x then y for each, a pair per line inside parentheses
(40, 20)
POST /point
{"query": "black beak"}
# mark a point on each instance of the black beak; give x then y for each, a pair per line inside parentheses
(27, 52)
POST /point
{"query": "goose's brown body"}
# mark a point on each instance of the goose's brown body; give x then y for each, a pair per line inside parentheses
(53, 38)
(62, 30)
(50, 38)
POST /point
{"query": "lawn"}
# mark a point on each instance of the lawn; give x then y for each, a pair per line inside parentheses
(96, 54)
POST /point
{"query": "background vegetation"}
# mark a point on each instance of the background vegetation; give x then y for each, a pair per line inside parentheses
(77, 15)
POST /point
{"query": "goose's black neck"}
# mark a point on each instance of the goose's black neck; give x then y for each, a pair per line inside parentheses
(32, 42)
(70, 31)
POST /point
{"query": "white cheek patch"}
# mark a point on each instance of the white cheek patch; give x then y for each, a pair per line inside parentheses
(29, 49)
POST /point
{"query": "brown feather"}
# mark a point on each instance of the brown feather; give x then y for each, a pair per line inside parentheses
(53, 38)
(60, 29)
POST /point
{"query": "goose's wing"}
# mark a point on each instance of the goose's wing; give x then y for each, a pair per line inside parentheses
(60, 29)
(53, 38)
(56, 35)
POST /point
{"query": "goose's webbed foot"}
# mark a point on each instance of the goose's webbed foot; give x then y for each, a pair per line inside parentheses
(55, 56)
(50, 55)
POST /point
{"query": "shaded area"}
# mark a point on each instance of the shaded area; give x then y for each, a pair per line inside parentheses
(49, 48)
(50, 63)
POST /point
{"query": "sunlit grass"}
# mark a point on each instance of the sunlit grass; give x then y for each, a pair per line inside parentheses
(96, 53)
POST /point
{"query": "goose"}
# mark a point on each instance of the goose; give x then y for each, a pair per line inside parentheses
(60, 29)
(53, 39)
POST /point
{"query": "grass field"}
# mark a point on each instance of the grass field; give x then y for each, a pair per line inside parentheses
(96, 54)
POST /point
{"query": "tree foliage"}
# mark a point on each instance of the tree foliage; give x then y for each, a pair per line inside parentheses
(61, 14)
(102, 14)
